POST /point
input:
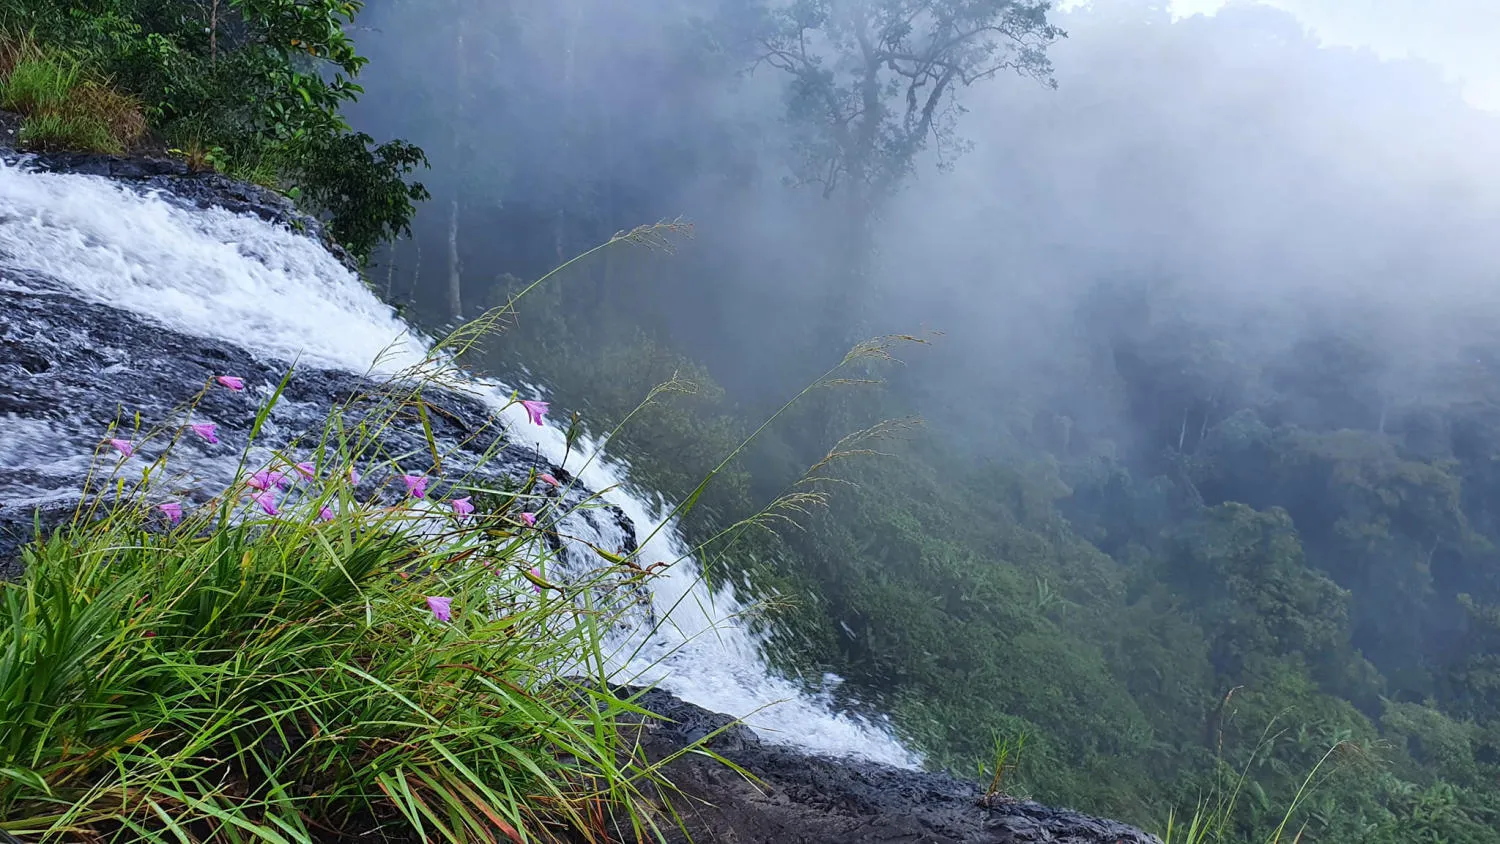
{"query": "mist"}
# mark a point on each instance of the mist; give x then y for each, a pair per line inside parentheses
(1279, 188)
(1281, 185)
(1222, 299)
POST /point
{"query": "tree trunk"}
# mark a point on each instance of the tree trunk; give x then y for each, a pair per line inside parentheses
(455, 277)
(607, 276)
(390, 269)
(213, 33)
(455, 274)
(416, 271)
(1203, 429)
(843, 321)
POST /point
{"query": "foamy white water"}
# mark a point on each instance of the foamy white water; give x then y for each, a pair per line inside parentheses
(237, 278)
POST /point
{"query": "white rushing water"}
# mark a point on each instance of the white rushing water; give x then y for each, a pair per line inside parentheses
(237, 278)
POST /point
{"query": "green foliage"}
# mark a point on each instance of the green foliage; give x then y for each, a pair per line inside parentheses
(609, 370)
(1242, 575)
(260, 83)
(365, 181)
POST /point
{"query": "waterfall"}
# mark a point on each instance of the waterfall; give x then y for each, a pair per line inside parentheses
(115, 254)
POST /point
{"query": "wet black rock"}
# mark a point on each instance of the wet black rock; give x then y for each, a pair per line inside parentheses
(800, 799)
(69, 368)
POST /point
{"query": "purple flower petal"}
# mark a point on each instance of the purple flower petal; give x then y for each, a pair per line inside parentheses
(462, 506)
(307, 470)
(442, 608)
(353, 476)
(529, 518)
(267, 501)
(416, 485)
(172, 510)
(535, 410)
(325, 514)
(266, 479)
(207, 430)
(123, 446)
(535, 572)
(230, 381)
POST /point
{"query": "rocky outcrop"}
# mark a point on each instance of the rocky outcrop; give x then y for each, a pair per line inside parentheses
(796, 798)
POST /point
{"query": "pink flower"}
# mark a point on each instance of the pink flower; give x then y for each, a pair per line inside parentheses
(123, 446)
(353, 475)
(233, 383)
(548, 479)
(442, 608)
(325, 514)
(307, 470)
(266, 479)
(462, 506)
(172, 510)
(535, 410)
(267, 501)
(416, 485)
(207, 430)
(529, 518)
(536, 573)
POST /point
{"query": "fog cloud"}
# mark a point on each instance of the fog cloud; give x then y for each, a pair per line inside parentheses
(1278, 184)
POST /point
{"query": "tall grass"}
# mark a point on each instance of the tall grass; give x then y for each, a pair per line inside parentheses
(245, 677)
(1215, 820)
(65, 104)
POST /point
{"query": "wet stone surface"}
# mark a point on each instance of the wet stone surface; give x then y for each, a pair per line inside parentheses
(802, 799)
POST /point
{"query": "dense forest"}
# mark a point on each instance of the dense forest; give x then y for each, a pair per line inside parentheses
(1201, 342)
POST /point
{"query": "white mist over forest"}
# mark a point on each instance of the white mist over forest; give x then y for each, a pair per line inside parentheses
(1209, 405)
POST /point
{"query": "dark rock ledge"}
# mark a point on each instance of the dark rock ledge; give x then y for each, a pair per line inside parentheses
(801, 799)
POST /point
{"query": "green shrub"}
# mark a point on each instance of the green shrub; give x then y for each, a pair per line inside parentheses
(260, 83)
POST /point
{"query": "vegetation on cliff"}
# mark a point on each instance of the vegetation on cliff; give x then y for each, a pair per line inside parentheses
(252, 88)
(340, 644)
